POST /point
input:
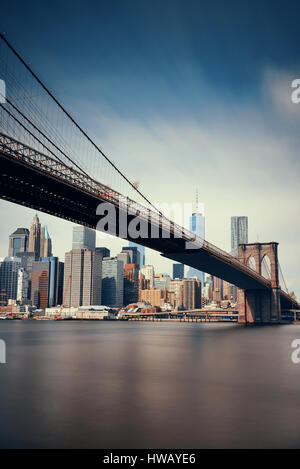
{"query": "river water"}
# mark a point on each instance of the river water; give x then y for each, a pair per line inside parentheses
(148, 385)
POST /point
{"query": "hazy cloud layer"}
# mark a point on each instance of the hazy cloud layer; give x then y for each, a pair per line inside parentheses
(243, 158)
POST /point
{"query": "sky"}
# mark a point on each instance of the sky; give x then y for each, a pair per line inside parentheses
(183, 95)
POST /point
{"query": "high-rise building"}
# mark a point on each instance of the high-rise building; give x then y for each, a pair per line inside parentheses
(124, 257)
(191, 293)
(112, 282)
(27, 259)
(60, 283)
(153, 296)
(142, 251)
(161, 281)
(178, 271)
(40, 283)
(148, 272)
(82, 278)
(34, 244)
(104, 251)
(83, 238)
(217, 289)
(9, 267)
(144, 284)
(23, 285)
(197, 226)
(134, 254)
(176, 288)
(45, 243)
(239, 233)
(53, 280)
(18, 241)
(131, 284)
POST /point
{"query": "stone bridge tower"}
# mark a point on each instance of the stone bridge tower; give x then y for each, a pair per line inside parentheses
(261, 305)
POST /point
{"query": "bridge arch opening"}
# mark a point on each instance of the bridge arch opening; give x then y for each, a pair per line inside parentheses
(251, 263)
(266, 267)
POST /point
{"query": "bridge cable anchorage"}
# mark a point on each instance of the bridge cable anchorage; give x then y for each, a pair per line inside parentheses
(26, 65)
(42, 133)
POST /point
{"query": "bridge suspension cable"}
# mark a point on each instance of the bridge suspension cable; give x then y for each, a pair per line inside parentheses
(282, 277)
(42, 133)
(83, 132)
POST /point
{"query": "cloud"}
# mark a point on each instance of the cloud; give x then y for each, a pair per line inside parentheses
(242, 159)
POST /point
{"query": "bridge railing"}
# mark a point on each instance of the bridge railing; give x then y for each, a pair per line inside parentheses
(68, 174)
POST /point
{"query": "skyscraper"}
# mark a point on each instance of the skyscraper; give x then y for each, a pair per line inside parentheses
(239, 233)
(131, 284)
(45, 243)
(83, 238)
(53, 279)
(18, 241)
(141, 249)
(178, 271)
(197, 226)
(148, 272)
(134, 254)
(23, 285)
(40, 283)
(161, 281)
(112, 282)
(104, 251)
(60, 283)
(191, 293)
(34, 244)
(82, 277)
(123, 257)
(27, 259)
(9, 267)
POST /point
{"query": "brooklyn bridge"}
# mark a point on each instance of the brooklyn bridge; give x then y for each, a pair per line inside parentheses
(50, 163)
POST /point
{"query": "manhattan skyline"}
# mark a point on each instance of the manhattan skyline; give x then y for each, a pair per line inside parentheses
(229, 117)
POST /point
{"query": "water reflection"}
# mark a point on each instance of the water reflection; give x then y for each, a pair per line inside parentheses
(86, 384)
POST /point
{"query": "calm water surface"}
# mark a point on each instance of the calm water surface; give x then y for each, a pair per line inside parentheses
(130, 385)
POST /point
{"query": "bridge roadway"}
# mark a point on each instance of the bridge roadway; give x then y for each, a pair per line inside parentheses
(33, 179)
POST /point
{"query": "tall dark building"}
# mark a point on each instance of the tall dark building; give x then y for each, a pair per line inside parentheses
(9, 267)
(53, 279)
(134, 254)
(60, 283)
(40, 283)
(112, 282)
(18, 242)
(141, 249)
(105, 252)
(34, 244)
(131, 284)
(178, 271)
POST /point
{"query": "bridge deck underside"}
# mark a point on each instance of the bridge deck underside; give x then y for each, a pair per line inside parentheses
(202, 260)
(25, 185)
